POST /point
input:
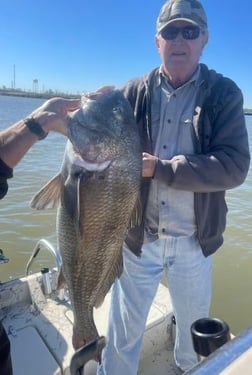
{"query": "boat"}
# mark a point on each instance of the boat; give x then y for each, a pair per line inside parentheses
(39, 324)
(38, 319)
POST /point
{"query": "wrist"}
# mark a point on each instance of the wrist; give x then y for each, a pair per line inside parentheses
(50, 122)
(34, 127)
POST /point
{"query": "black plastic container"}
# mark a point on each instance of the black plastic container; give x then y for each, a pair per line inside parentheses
(209, 334)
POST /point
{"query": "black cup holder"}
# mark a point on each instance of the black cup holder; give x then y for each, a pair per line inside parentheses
(208, 335)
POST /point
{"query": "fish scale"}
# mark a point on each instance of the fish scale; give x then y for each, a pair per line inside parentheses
(99, 246)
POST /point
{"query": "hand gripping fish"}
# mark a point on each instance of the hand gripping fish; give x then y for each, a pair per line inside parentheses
(97, 194)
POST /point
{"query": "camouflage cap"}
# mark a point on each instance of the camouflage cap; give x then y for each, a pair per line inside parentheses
(181, 10)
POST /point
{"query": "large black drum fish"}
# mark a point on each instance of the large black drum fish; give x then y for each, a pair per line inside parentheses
(96, 191)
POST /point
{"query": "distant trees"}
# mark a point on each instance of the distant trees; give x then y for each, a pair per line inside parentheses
(247, 111)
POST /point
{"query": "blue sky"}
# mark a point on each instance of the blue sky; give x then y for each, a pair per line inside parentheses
(79, 45)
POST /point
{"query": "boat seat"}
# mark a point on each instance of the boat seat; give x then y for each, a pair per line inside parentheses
(30, 355)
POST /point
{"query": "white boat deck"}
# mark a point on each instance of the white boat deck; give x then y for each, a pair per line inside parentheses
(40, 330)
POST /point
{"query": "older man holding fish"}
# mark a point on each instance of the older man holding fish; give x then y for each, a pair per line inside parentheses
(195, 147)
(15, 141)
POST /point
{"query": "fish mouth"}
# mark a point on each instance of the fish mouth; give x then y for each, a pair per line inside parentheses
(92, 154)
(91, 165)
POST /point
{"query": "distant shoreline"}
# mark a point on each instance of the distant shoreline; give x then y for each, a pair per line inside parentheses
(38, 95)
(49, 95)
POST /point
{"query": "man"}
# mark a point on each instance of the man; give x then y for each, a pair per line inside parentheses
(15, 141)
(195, 147)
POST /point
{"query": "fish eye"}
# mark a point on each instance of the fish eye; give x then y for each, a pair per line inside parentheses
(117, 110)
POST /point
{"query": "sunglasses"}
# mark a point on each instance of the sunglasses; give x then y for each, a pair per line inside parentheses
(188, 32)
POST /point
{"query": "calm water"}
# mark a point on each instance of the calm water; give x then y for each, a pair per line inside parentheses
(21, 227)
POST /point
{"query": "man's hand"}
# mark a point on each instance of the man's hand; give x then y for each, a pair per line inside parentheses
(149, 164)
(101, 90)
(52, 115)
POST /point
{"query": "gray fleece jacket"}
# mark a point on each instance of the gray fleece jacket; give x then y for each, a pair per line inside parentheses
(221, 160)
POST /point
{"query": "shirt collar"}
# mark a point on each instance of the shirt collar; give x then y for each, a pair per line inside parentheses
(196, 78)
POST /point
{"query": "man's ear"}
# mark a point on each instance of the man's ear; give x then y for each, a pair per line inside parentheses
(157, 41)
(205, 39)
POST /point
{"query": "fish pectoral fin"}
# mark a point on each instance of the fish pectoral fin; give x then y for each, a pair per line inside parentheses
(105, 284)
(136, 250)
(135, 221)
(71, 196)
(136, 215)
(49, 195)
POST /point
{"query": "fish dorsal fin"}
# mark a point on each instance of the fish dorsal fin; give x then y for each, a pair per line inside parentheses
(49, 195)
(71, 199)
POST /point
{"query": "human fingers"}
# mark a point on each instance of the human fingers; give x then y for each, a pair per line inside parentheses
(105, 88)
(61, 105)
(71, 104)
(52, 115)
(148, 165)
(101, 90)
